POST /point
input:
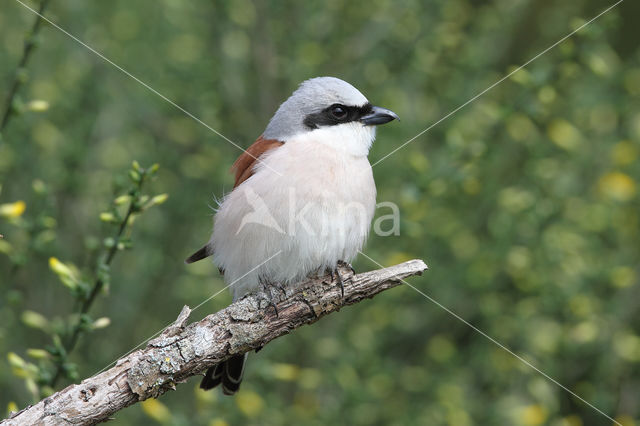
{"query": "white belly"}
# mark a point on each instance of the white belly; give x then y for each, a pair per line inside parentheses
(304, 224)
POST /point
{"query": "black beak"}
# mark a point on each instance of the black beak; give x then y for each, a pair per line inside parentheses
(378, 116)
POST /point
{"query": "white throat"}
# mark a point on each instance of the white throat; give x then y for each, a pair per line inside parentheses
(353, 138)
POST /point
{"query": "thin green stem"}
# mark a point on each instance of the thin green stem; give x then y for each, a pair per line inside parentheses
(29, 45)
(70, 344)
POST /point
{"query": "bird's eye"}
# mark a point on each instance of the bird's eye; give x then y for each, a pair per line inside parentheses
(339, 112)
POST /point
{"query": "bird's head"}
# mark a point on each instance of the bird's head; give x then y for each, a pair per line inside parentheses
(333, 112)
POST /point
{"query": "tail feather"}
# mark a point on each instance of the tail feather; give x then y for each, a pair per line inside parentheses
(229, 373)
(200, 254)
(213, 377)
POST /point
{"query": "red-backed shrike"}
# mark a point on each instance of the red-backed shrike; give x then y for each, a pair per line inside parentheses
(304, 191)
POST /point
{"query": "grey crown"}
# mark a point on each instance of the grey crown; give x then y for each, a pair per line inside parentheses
(312, 96)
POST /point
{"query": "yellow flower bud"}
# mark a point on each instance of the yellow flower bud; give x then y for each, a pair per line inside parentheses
(59, 267)
(122, 200)
(66, 274)
(107, 217)
(38, 353)
(12, 210)
(159, 199)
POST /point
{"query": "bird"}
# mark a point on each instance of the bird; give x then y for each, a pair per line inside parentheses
(303, 199)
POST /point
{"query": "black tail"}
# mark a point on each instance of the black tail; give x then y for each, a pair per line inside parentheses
(229, 373)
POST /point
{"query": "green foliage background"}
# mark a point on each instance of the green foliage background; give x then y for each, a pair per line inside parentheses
(524, 203)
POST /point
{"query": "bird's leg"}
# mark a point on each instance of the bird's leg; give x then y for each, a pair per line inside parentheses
(268, 296)
(336, 271)
(283, 289)
(340, 281)
(329, 271)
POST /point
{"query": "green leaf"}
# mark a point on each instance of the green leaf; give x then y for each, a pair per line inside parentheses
(108, 217)
(16, 361)
(35, 320)
(134, 176)
(158, 199)
(38, 353)
(101, 323)
(123, 199)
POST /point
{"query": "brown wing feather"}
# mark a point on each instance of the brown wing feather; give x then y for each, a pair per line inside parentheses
(243, 167)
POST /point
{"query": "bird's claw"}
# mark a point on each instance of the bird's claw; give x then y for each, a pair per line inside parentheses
(283, 289)
(346, 265)
(268, 297)
(270, 303)
(335, 274)
(340, 281)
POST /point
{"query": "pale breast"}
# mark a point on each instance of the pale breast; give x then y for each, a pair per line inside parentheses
(306, 205)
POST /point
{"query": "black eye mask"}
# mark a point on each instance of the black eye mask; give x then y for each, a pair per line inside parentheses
(336, 114)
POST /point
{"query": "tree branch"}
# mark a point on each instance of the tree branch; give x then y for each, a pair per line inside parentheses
(182, 350)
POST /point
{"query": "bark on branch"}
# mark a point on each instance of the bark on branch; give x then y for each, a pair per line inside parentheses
(182, 350)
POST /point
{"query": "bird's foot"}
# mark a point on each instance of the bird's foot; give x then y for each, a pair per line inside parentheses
(346, 265)
(283, 289)
(340, 280)
(269, 302)
(267, 296)
(331, 273)
(337, 276)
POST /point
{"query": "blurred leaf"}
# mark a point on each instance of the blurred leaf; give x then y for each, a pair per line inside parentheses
(249, 403)
(12, 407)
(617, 186)
(38, 353)
(285, 372)
(15, 361)
(101, 323)
(156, 410)
(35, 320)
(534, 415)
(37, 105)
(108, 217)
(564, 134)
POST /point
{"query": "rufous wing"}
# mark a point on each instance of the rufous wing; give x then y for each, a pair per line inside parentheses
(243, 167)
